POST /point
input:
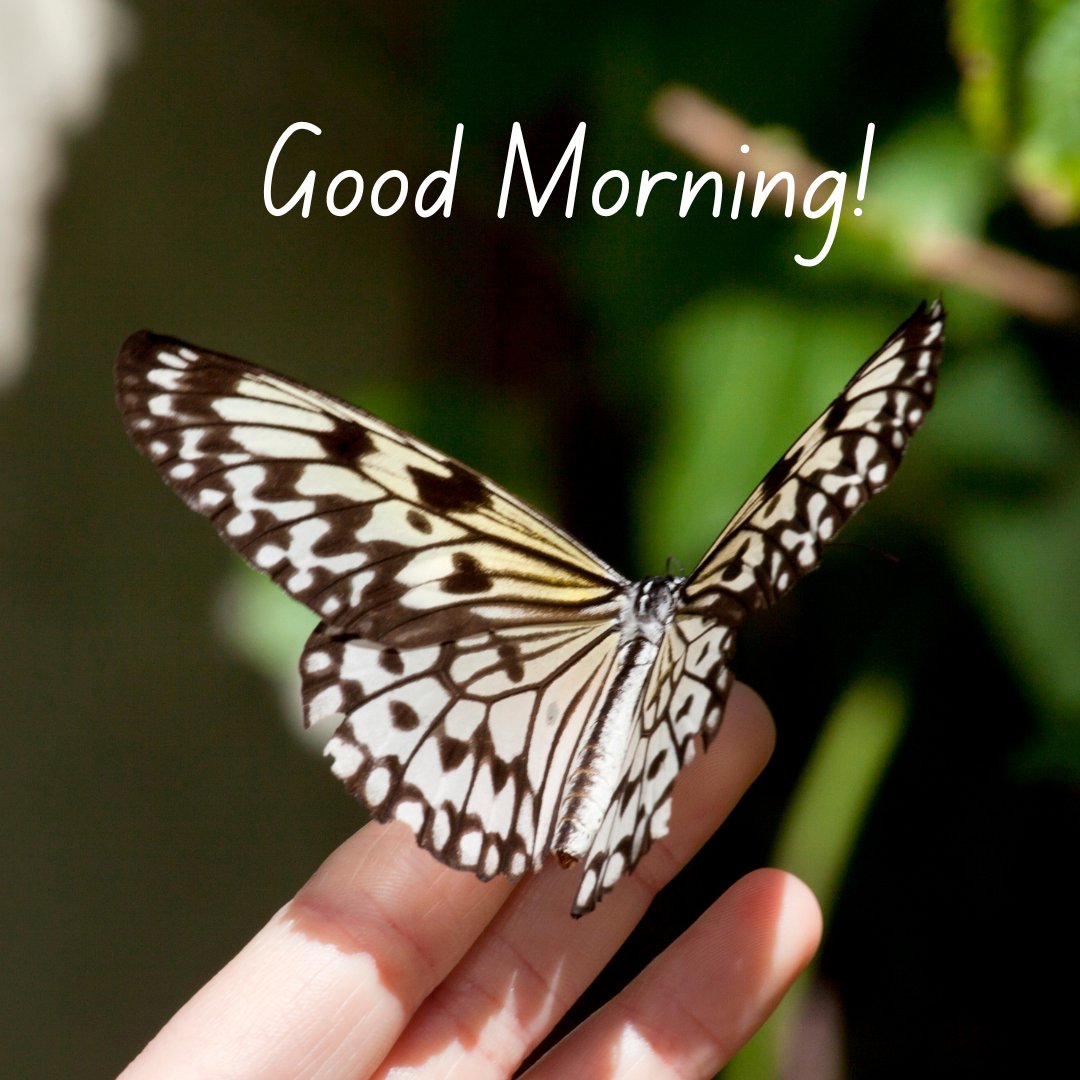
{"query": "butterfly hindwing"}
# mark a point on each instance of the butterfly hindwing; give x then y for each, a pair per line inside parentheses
(683, 698)
(377, 533)
(466, 742)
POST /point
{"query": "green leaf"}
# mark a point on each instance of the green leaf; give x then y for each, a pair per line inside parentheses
(1047, 161)
(931, 178)
(985, 39)
(821, 828)
(268, 628)
(1021, 571)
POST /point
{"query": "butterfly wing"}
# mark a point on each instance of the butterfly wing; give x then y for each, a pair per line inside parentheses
(466, 640)
(684, 696)
(467, 742)
(848, 454)
(377, 533)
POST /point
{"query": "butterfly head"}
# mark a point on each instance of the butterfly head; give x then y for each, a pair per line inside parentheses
(650, 607)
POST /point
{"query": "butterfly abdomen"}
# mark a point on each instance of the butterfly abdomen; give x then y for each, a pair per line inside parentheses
(600, 761)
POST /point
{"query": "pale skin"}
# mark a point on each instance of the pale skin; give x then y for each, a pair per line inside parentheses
(387, 963)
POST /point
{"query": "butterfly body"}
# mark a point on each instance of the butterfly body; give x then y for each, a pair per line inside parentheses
(650, 606)
(494, 685)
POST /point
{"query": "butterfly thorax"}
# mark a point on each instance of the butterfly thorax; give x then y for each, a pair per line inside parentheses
(648, 608)
(650, 605)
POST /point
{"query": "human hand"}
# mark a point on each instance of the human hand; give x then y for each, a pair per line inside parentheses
(388, 963)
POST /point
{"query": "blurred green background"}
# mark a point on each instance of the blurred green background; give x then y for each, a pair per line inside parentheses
(634, 377)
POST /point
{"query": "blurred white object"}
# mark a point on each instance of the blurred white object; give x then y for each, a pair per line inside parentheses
(54, 56)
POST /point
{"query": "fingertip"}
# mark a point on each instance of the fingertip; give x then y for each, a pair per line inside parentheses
(694, 1006)
(788, 911)
(804, 917)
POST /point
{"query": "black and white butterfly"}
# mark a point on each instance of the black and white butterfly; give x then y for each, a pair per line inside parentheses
(497, 687)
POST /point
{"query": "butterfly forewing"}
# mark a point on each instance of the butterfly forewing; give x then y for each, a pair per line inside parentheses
(847, 455)
(471, 652)
(377, 533)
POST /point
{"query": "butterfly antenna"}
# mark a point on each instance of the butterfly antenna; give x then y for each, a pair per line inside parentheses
(673, 564)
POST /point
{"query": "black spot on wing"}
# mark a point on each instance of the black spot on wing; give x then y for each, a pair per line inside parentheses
(510, 655)
(418, 521)
(500, 772)
(657, 765)
(734, 567)
(462, 490)
(689, 703)
(347, 443)
(338, 541)
(404, 716)
(452, 752)
(468, 576)
(390, 660)
(776, 476)
(837, 411)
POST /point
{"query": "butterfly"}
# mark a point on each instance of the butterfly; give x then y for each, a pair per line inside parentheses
(495, 686)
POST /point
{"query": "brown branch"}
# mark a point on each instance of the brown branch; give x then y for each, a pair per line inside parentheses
(713, 135)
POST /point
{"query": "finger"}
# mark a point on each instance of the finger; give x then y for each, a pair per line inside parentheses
(690, 1010)
(535, 960)
(326, 987)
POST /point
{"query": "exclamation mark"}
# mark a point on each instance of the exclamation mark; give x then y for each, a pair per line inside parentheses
(861, 192)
